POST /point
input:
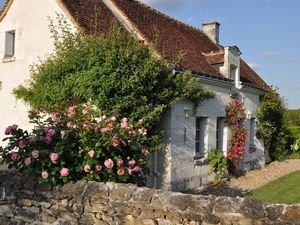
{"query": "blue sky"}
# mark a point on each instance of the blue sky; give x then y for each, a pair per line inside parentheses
(266, 31)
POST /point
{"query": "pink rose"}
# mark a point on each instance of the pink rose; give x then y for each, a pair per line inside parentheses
(125, 120)
(48, 139)
(27, 161)
(64, 172)
(124, 125)
(109, 163)
(51, 132)
(91, 153)
(8, 130)
(85, 126)
(113, 118)
(14, 156)
(14, 127)
(145, 152)
(103, 130)
(85, 111)
(137, 169)
(129, 171)
(45, 174)
(71, 111)
(54, 157)
(87, 168)
(22, 144)
(56, 118)
(120, 162)
(131, 162)
(116, 141)
(63, 133)
(121, 172)
(98, 167)
(35, 154)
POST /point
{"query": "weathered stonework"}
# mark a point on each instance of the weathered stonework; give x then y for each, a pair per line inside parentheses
(89, 203)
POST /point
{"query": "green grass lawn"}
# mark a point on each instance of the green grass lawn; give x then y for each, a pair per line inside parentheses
(285, 189)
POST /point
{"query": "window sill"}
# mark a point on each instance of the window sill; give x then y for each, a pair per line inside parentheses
(8, 59)
(200, 160)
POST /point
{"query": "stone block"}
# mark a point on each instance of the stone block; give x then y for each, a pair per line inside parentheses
(24, 202)
(90, 219)
(143, 195)
(274, 211)
(252, 208)
(6, 211)
(122, 192)
(292, 213)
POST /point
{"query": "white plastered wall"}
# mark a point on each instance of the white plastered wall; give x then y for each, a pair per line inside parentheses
(30, 20)
(185, 171)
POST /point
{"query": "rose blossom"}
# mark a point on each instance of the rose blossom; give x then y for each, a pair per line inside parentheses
(51, 132)
(14, 127)
(64, 172)
(22, 144)
(14, 156)
(87, 168)
(120, 162)
(113, 118)
(98, 167)
(116, 141)
(131, 162)
(33, 138)
(145, 152)
(63, 133)
(85, 126)
(91, 153)
(7, 130)
(124, 125)
(137, 169)
(56, 118)
(71, 111)
(85, 111)
(109, 163)
(124, 119)
(45, 174)
(48, 139)
(27, 161)
(54, 157)
(121, 172)
(35, 154)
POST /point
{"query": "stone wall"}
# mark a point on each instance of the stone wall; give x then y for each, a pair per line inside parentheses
(27, 202)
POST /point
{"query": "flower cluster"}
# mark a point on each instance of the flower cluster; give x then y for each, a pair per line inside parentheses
(78, 144)
(234, 114)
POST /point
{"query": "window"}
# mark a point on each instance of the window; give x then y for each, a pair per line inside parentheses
(220, 133)
(9, 44)
(200, 145)
(252, 134)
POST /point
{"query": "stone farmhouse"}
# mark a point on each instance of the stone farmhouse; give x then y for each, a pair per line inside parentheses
(25, 38)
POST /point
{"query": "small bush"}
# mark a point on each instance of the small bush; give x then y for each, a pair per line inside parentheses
(218, 164)
(79, 144)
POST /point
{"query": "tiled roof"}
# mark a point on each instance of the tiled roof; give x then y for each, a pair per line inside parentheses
(170, 36)
(92, 16)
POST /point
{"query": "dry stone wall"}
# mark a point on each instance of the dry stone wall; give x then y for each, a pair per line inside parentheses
(27, 202)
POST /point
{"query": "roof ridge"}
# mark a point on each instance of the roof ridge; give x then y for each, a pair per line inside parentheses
(170, 17)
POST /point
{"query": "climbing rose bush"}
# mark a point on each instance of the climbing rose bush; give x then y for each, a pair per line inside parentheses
(78, 144)
(234, 113)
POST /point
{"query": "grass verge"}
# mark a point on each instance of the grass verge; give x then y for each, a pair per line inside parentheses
(285, 189)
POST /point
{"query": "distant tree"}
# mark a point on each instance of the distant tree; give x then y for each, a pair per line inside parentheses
(272, 126)
(292, 117)
(116, 73)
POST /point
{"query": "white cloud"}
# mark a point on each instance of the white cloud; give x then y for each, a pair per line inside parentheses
(255, 66)
(294, 59)
(269, 54)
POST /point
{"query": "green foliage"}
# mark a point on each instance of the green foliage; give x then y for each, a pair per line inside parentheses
(285, 189)
(272, 127)
(218, 164)
(79, 144)
(295, 131)
(115, 73)
(292, 117)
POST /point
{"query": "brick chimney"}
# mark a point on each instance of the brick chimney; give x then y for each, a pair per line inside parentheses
(211, 29)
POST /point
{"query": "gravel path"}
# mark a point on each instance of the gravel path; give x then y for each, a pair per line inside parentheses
(252, 179)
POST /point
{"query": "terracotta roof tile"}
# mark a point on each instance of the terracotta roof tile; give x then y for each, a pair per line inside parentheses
(91, 15)
(216, 58)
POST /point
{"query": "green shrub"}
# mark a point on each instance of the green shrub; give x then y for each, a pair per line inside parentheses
(218, 164)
